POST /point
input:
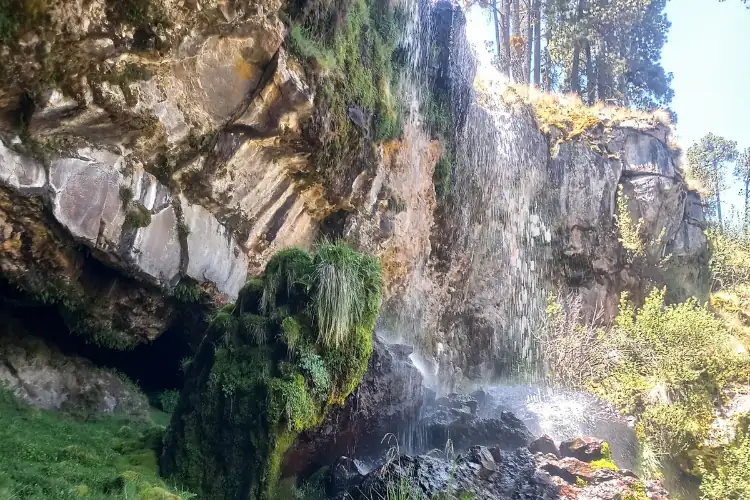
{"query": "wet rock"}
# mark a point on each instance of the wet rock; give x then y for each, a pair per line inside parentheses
(475, 472)
(41, 375)
(579, 480)
(454, 418)
(586, 449)
(388, 400)
(21, 172)
(544, 445)
(345, 473)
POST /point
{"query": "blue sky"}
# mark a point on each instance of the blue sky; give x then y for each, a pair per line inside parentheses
(708, 50)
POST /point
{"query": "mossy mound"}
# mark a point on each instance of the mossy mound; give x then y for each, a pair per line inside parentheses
(297, 340)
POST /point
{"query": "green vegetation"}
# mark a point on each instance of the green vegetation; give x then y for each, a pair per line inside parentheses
(730, 480)
(629, 233)
(53, 455)
(674, 361)
(297, 340)
(187, 291)
(351, 43)
(137, 216)
(126, 196)
(168, 400)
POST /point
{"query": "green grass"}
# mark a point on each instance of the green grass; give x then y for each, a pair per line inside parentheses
(49, 455)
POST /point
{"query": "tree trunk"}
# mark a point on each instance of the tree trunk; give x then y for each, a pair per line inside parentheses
(574, 77)
(529, 42)
(537, 42)
(590, 86)
(718, 197)
(506, 28)
(501, 58)
(516, 50)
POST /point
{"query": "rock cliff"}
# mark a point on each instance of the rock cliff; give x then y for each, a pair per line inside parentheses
(146, 152)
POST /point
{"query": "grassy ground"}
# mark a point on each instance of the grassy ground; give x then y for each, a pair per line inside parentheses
(49, 455)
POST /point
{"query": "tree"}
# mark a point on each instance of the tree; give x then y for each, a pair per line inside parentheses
(742, 172)
(707, 162)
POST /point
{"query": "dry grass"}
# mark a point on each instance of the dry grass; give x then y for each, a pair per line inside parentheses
(733, 306)
(568, 114)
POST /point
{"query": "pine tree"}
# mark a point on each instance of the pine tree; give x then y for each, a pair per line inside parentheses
(707, 162)
(742, 173)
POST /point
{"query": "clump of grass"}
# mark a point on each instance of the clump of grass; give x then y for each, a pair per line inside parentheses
(52, 455)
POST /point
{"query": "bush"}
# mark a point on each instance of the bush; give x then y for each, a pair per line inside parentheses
(168, 400)
(672, 364)
(731, 479)
(730, 258)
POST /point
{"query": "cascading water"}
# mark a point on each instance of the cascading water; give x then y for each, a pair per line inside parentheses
(471, 309)
(492, 278)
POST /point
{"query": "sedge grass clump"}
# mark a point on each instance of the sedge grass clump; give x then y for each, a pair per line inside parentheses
(297, 340)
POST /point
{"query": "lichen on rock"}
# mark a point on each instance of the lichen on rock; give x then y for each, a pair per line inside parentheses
(296, 341)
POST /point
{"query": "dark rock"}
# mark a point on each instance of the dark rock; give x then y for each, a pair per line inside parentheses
(401, 351)
(482, 397)
(358, 116)
(429, 397)
(586, 449)
(544, 445)
(457, 400)
(345, 473)
(388, 399)
(466, 429)
(476, 471)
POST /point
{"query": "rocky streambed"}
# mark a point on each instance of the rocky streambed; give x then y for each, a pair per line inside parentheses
(398, 439)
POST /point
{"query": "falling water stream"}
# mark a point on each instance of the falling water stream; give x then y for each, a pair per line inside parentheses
(500, 223)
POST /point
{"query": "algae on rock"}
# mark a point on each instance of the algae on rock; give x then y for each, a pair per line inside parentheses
(297, 340)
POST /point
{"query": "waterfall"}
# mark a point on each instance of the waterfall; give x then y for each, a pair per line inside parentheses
(472, 306)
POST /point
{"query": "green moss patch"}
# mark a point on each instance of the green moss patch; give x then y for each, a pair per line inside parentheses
(297, 340)
(52, 455)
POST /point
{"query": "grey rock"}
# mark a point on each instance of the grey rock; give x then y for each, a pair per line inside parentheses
(156, 248)
(213, 255)
(21, 172)
(544, 445)
(85, 197)
(41, 375)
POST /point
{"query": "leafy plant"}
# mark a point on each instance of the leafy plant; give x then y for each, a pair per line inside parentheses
(630, 234)
(168, 400)
(731, 479)
(673, 362)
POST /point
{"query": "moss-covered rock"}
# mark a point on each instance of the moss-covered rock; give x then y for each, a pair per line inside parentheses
(297, 341)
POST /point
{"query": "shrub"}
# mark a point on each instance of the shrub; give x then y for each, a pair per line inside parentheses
(731, 479)
(168, 400)
(730, 258)
(672, 364)
(629, 233)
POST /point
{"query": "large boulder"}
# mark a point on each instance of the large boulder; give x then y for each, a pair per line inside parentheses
(40, 374)
(388, 401)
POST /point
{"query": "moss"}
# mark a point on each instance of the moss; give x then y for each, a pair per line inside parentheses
(604, 463)
(188, 292)
(126, 196)
(137, 216)
(352, 46)
(264, 366)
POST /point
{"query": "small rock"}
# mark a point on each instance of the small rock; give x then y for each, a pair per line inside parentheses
(586, 449)
(544, 445)
(345, 473)
(358, 116)
(482, 456)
